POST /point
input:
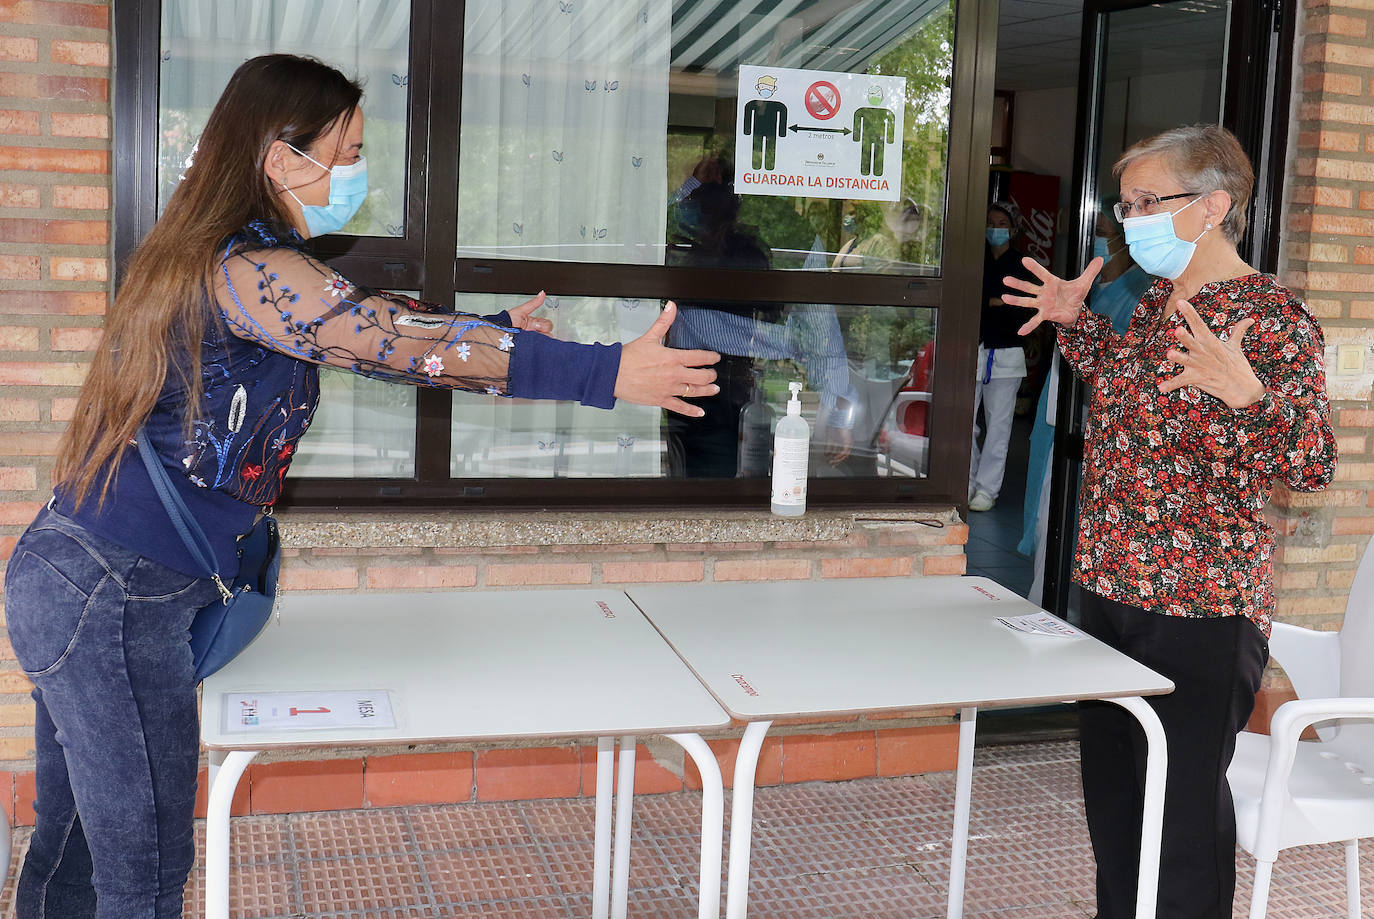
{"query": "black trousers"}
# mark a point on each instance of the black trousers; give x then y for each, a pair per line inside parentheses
(1215, 665)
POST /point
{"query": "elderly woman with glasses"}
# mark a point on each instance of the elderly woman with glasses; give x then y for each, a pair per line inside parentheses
(1215, 391)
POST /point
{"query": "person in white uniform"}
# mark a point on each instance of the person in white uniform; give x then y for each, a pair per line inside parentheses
(1001, 358)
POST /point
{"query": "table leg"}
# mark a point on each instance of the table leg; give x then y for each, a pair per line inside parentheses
(742, 819)
(712, 821)
(1152, 823)
(963, 792)
(601, 849)
(224, 779)
(624, 810)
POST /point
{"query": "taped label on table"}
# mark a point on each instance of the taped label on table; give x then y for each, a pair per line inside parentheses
(272, 712)
(1040, 624)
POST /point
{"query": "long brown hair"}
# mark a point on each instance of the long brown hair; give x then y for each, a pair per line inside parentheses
(157, 321)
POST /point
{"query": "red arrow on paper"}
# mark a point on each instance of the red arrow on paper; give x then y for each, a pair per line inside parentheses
(309, 711)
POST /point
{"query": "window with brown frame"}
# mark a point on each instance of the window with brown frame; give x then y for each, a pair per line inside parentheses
(799, 177)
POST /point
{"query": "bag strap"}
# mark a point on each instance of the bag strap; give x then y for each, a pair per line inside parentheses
(186, 526)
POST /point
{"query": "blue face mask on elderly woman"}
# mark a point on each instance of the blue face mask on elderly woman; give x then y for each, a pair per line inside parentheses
(347, 190)
(1156, 247)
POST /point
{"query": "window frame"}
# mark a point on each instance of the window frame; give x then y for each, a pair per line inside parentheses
(424, 259)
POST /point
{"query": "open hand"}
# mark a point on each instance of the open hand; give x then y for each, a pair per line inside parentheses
(652, 374)
(1218, 368)
(1052, 298)
(520, 317)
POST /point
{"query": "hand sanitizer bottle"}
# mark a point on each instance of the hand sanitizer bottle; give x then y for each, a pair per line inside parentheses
(791, 449)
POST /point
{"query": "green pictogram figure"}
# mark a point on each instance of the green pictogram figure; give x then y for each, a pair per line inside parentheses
(766, 121)
(874, 129)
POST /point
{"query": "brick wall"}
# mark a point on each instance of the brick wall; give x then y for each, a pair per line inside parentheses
(1328, 258)
(54, 261)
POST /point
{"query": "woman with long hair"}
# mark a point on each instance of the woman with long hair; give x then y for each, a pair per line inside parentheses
(212, 352)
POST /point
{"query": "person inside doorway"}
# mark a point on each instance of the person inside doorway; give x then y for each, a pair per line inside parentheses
(1115, 294)
(1001, 358)
(1216, 391)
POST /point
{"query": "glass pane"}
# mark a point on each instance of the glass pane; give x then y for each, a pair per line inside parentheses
(203, 41)
(362, 429)
(804, 134)
(866, 369)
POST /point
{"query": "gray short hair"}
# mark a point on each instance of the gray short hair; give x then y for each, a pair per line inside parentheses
(1203, 158)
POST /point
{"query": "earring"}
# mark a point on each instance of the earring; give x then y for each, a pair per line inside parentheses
(1209, 226)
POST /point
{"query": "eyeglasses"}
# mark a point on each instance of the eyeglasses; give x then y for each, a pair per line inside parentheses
(1146, 204)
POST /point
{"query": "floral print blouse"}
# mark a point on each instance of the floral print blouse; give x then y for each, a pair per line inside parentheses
(1171, 514)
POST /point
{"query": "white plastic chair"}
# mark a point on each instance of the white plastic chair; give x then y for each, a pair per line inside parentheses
(1290, 792)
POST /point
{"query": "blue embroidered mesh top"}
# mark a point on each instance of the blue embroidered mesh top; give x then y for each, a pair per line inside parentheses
(277, 315)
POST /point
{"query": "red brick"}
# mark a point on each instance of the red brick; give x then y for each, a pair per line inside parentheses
(73, 268)
(417, 778)
(1344, 169)
(54, 232)
(1344, 111)
(295, 787)
(417, 577)
(28, 444)
(52, 159)
(79, 53)
(865, 567)
(238, 806)
(48, 12)
(18, 478)
(1267, 701)
(25, 790)
(651, 777)
(1345, 84)
(75, 339)
(83, 197)
(1326, 196)
(12, 681)
(650, 572)
(296, 577)
(19, 268)
(944, 564)
(42, 374)
(914, 751)
(1338, 225)
(20, 122)
(519, 575)
(63, 409)
(828, 757)
(533, 772)
(18, 49)
(18, 338)
(49, 302)
(19, 410)
(768, 771)
(66, 124)
(1340, 281)
(16, 513)
(12, 195)
(712, 548)
(762, 569)
(73, 89)
(1351, 526)
(1364, 255)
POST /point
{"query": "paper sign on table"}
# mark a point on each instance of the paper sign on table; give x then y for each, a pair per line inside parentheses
(1040, 624)
(249, 712)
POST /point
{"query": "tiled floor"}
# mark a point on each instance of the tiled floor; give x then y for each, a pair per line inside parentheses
(871, 848)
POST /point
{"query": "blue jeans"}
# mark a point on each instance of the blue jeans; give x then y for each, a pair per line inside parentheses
(103, 634)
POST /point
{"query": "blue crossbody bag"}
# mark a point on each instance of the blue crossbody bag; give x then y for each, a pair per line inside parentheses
(227, 626)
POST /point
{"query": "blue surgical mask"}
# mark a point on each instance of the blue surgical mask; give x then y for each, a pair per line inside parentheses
(347, 190)
(998, 236)
(1156, 247)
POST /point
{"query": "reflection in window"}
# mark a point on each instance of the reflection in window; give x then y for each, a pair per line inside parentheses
(363, 429)
(867, 372)
(587, 133)
(203, 41)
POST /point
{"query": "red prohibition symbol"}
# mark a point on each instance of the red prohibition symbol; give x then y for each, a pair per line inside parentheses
(822, 100)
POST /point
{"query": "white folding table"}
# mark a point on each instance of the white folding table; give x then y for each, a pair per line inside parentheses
(471, 666)
(842, 647)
